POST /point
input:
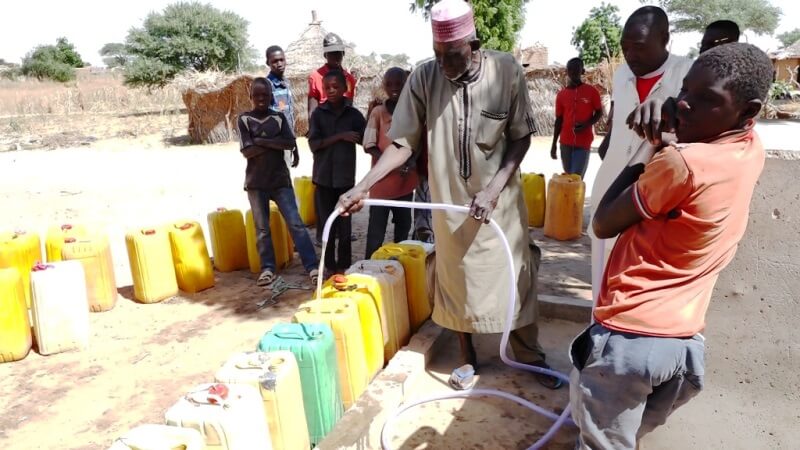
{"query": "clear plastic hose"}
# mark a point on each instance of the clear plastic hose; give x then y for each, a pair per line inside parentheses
(559, 420)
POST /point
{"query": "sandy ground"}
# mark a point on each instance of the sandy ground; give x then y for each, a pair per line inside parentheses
(486, 422)
(142, 357)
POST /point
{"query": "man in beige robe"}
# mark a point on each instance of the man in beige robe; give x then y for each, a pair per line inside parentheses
(475, 104)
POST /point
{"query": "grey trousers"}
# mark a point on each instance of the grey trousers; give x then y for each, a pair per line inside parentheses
(625, 385)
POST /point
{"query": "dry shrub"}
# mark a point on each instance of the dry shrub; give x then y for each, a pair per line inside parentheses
(214, 103)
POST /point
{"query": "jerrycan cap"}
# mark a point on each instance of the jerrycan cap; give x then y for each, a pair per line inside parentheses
(69, 240)
(148, 232)
(185, 226)
(39, 266)
(217, 393)
(66, 227)
(339, 282)
(222, 209)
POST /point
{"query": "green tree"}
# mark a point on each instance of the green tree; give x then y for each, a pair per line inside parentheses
(790, 37)
(598, 37)
(497, 22)
(115, 54)
(54, 62)
(759, 16)
(186, 36)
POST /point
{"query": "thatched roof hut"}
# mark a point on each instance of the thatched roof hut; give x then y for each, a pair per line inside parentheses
(214, 102)
(786, 63)
(305, 54)
(533, 57)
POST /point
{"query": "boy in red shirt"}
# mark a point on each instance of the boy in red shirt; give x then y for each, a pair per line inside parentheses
(679, 221)
(578, 108)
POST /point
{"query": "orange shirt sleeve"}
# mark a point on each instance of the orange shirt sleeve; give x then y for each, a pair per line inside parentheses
(664, 185)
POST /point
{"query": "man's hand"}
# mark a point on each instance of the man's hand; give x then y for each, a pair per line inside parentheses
(350, 136)
(653, 117)
(580, 126)
(295, 158)
(352, 201)
(483, 204)
(553, 151)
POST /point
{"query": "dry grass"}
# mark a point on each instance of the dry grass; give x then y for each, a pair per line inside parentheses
(45, 114)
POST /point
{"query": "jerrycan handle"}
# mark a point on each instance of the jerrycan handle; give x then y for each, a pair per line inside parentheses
(294, 335)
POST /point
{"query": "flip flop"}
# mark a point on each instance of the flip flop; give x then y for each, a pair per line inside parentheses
(547, 381)
(462, 378)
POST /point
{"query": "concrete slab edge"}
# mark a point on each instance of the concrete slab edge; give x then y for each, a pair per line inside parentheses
(565, 308)
(385, 393)
(357, 429)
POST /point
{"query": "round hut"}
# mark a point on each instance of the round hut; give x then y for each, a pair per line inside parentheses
(214, 101)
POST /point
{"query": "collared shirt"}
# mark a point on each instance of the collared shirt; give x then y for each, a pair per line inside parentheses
(624, 142)
(282, 98)
(335, 166)
(268, 170)
(694, 201)
(316, 91)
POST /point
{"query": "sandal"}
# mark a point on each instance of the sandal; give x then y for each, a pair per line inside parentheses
(314, 275)
(266, 278)
(547, 381)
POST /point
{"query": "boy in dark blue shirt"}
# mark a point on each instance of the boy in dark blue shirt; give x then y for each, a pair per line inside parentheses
(265, 135)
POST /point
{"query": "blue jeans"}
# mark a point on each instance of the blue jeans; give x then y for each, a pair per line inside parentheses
(284, 198)
(574, 159)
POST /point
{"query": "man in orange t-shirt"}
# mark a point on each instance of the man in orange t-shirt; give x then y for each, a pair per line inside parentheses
(679, 221)
(578, 108)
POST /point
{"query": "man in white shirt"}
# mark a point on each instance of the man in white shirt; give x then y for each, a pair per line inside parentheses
(650, 72)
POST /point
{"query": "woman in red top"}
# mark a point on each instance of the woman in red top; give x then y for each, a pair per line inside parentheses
(578, 108)
(400, 183)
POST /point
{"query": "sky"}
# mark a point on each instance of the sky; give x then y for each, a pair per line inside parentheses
(380, 26)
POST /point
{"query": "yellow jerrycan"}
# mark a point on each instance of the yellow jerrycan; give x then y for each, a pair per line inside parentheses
(304, 191)
(21, 250)
(366, 293)
(190, 258)
(159, 437)
(341, 314)
(390, 286)
(533, 190)
(150, 259)
(94, 253)
(277, 377)
(54, 240)
(228, 239)
(15, 329)
(413, 258)
(564, 216)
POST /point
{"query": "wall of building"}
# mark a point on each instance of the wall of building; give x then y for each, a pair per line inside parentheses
(753, 349)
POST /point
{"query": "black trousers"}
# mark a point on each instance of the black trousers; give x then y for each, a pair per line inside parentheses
(338, 253)
(378, 220)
